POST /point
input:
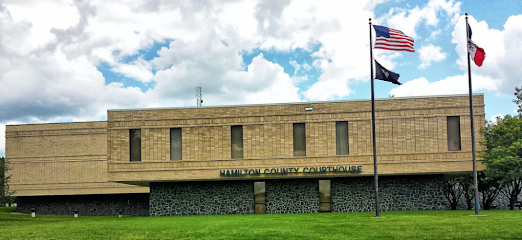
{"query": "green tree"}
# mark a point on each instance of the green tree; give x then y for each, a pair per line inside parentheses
(453, 191)
(518, 98)
(503, 155)
(489, 189)
(5, 194)
(466, 182)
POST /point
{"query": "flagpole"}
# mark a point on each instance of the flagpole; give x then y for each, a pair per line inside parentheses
(473, 149)
(375, 174)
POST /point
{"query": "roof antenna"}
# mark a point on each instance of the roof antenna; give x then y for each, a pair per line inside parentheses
(198, 96)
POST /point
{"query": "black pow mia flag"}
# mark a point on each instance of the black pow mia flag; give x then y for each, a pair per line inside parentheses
(385, 74)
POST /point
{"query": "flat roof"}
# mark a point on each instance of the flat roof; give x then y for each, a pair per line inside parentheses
(291, 103)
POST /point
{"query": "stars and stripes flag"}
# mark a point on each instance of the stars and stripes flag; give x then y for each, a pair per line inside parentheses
(392, 39)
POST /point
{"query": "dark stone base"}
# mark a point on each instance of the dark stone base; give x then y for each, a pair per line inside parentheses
(201, 198)
(136, 204)
(292, 196)
(396, 193)
(355, 194)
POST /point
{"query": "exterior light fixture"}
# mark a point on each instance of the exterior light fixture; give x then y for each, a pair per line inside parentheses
(309, 108)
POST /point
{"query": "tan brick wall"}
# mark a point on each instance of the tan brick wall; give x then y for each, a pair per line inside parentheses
(60, 159)
(411, 137)
(81, 158)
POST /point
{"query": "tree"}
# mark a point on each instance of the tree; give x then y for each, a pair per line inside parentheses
(453, 191)
(466, 182)
(503, 155)
(5, 194)
(489, 188)
(518, 98)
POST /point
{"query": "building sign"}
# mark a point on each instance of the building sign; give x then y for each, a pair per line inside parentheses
(288, 171)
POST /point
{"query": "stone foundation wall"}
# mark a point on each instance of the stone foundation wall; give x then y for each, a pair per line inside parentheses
(399, 193)
(356, 194)
(136, 204)
(292, 196)
(201, 198)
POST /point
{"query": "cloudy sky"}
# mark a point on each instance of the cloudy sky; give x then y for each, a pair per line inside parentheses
(64, 61)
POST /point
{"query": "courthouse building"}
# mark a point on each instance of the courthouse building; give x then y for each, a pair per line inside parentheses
(302, 157)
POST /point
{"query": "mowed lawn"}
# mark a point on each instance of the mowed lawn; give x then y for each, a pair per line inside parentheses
(498, 224)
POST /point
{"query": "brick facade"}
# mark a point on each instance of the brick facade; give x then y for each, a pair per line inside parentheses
(94, 157)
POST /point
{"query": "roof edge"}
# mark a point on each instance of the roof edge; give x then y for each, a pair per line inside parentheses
(291, 103)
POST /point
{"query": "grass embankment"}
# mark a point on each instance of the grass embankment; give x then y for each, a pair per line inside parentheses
(397, 225)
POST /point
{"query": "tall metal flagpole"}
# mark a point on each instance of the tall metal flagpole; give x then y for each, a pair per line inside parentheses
(472, 125)
(375, 174)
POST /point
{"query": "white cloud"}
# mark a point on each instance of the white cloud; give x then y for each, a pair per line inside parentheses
(55, 74)
(262, 82)
(37, 22)
(138, 69)
(342, 64)
(278, 86)
(300, 67)
(434, 34)
(407, 20)
(429, 54)
(56, 77)
(342, 58)
(299, 79)
(296, 66)
(328, 89)
(450, 85)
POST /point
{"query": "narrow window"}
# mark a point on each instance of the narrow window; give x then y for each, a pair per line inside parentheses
(135, 144)
(259, 198)
(175, 144)
(236, 146)
(453, 133)
(341, 138)
(325, 200)
(299, 139)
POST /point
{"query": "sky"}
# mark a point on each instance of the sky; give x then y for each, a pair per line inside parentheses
(63, 61)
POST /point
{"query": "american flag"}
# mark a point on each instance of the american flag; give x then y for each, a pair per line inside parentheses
(391, 39)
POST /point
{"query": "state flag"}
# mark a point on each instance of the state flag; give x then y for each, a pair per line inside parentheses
(476, 53)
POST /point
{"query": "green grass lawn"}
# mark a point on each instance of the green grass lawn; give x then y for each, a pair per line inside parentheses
(498, 224)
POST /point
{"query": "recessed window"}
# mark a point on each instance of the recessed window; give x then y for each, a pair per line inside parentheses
(135, 144)
(175, 144)
(341, 138)
(299, 139)
(325, 199)
(259, 198)
(236, 146)
(453, 133)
